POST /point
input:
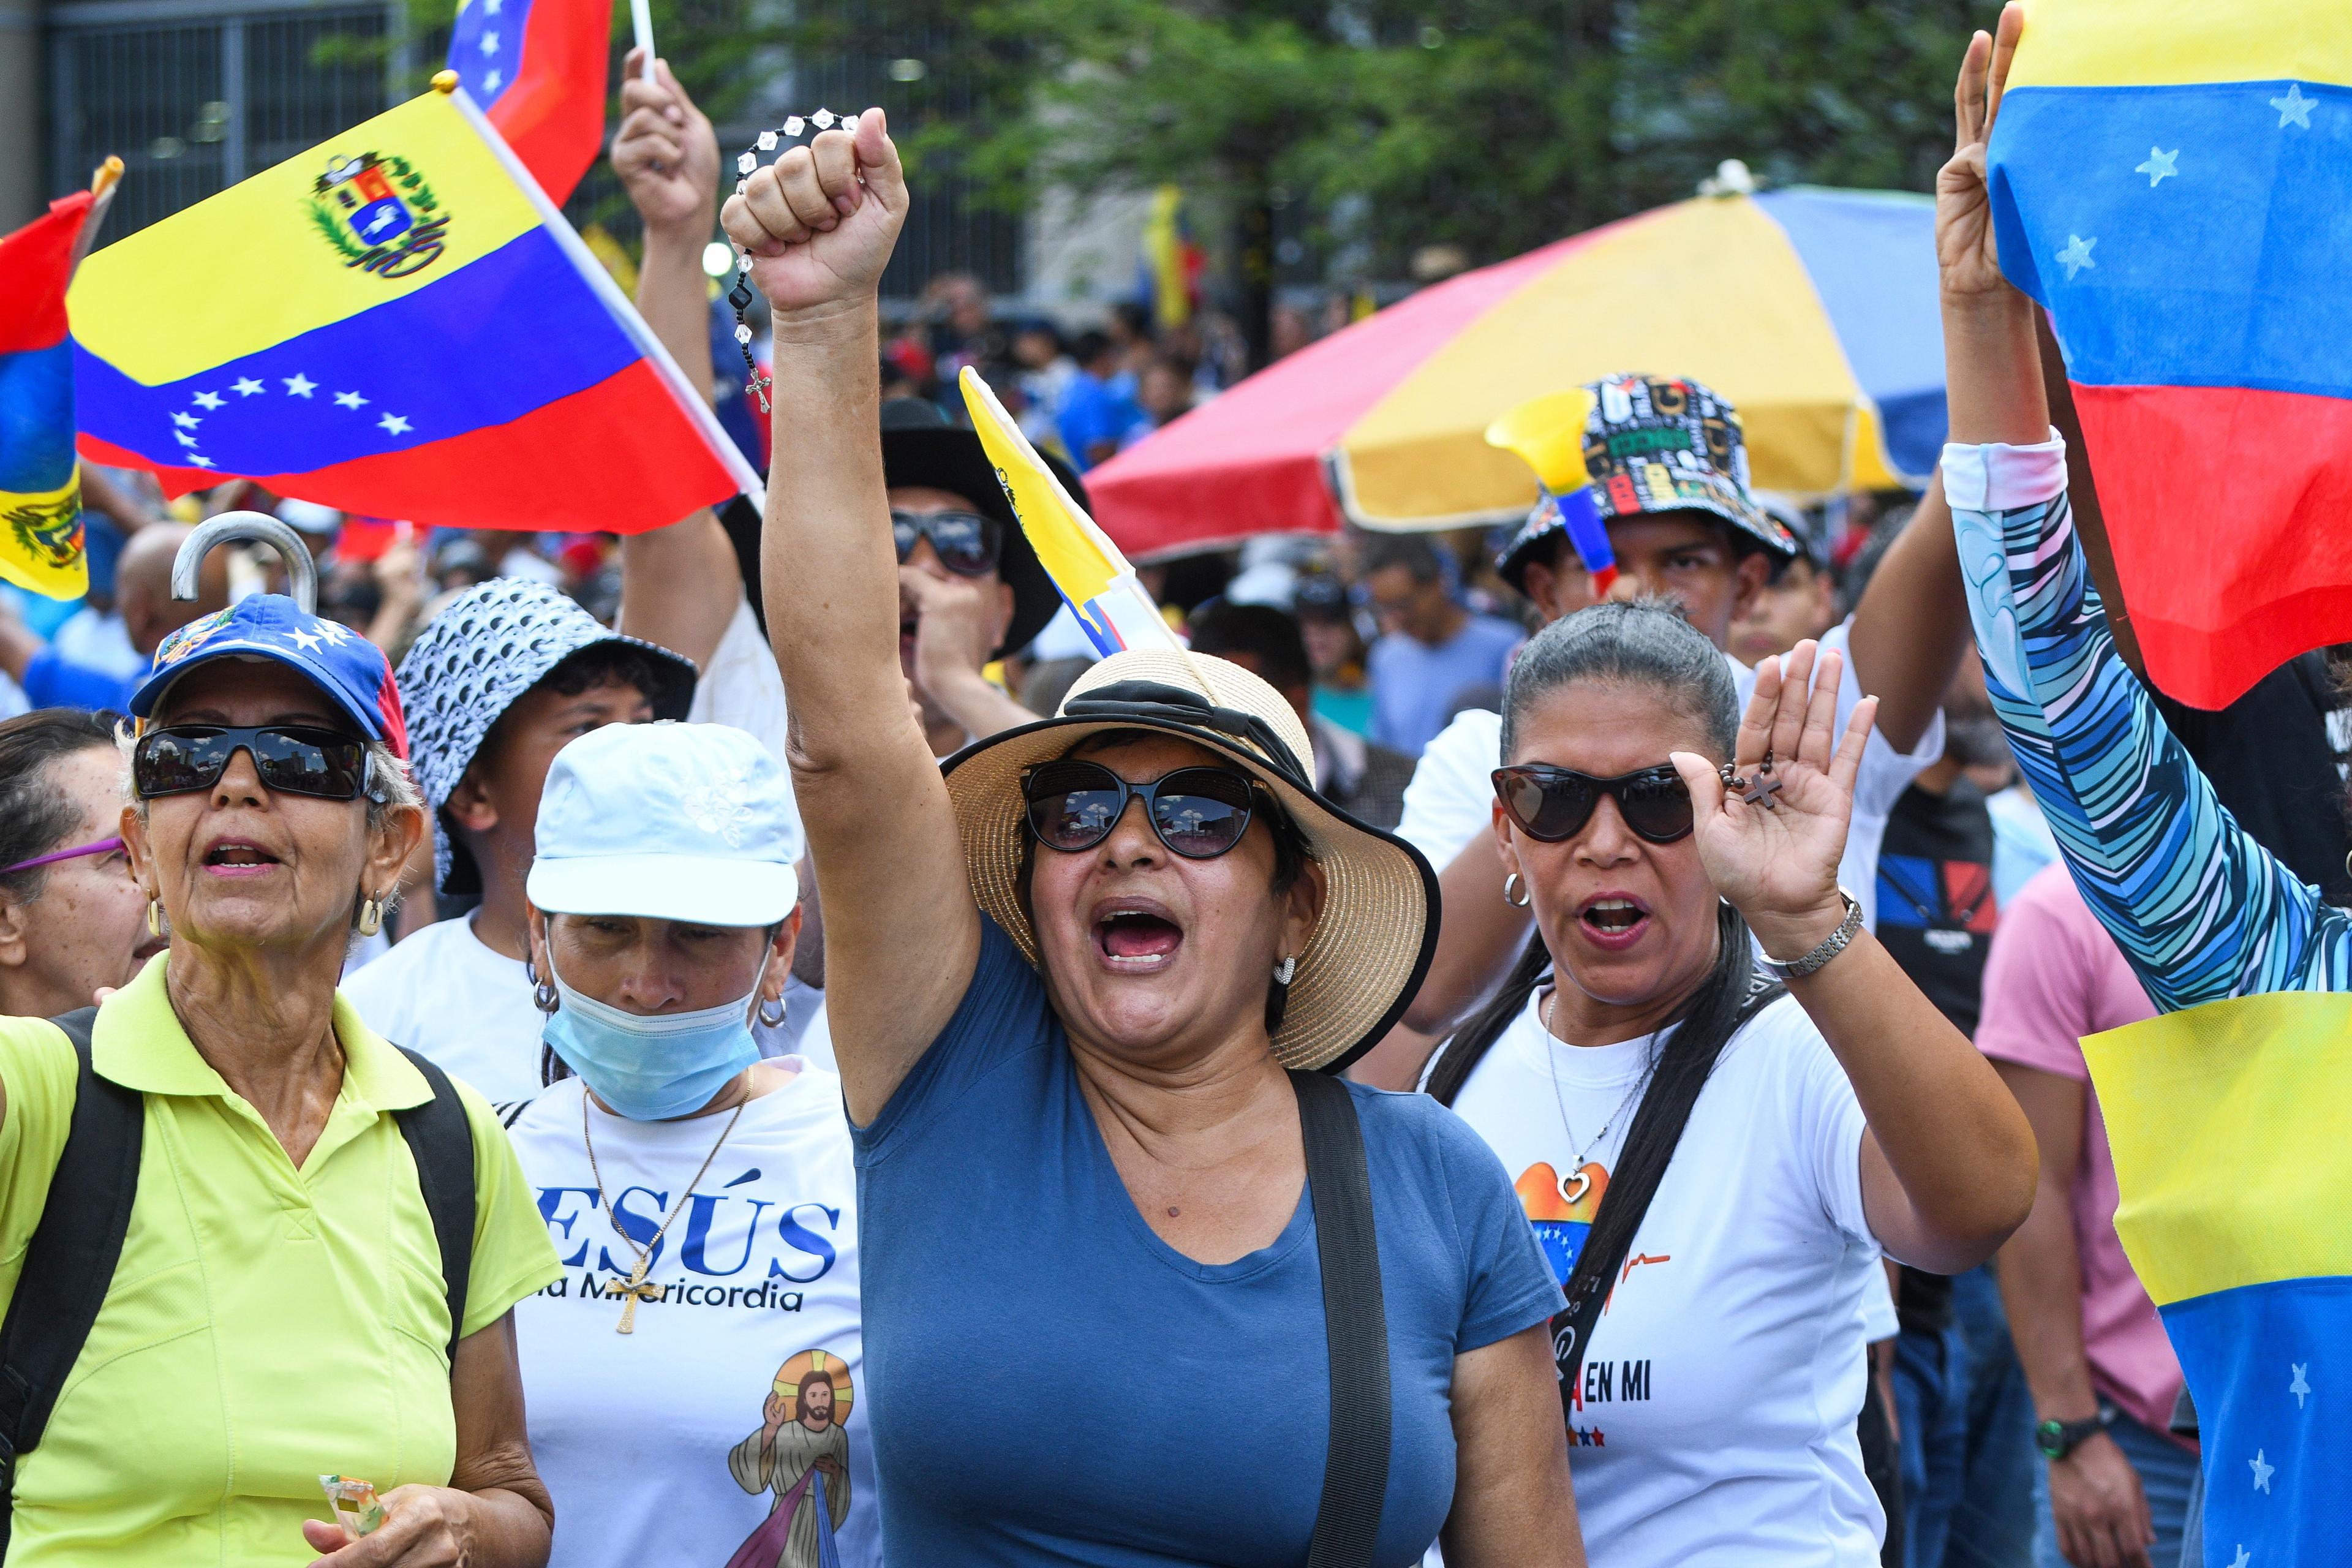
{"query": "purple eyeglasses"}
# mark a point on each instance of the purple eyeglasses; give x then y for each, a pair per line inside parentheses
(103, 847)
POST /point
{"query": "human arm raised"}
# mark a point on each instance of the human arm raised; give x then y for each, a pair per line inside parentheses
(1948, 1166)
(902, 935)
(495, 1512)
(679, 585)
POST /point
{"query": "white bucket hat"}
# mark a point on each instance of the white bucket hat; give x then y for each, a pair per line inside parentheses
(668, 821)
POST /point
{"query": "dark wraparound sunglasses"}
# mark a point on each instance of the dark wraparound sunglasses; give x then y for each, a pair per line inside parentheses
(967, 543)
(292, 759)
(1198, 812)
(1554, 803)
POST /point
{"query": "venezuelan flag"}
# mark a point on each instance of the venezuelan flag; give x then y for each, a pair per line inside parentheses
(1093, 576)
(2170, 178)
(398, 323)
(2227, 1125)
(40, 483)
(537, 68)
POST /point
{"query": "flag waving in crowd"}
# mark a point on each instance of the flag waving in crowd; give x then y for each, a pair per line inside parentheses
(537, 68)
(40, 482)
(396, 323)
(2172, 190)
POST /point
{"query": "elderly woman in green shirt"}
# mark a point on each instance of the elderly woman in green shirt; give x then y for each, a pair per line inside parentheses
(277, 1309)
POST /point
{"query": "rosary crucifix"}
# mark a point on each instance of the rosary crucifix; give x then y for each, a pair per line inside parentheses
(1759, 788)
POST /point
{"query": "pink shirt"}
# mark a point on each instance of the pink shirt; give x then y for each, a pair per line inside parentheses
(2055, 975)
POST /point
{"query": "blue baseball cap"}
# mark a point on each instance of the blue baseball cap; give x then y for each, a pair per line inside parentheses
(669, 821)
(351, 670)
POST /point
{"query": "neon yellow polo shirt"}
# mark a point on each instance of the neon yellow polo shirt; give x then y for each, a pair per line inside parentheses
(265, 1325)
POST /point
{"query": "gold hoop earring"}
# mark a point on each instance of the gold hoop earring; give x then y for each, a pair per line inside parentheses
(1515, 883)
(371, 916)
(155, 917)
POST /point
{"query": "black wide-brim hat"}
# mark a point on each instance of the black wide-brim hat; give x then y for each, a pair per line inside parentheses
(921, 447)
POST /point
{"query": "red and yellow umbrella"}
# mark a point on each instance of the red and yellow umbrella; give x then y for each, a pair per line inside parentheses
(1813, 311)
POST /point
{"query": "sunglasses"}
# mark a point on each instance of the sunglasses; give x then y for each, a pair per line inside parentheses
(291, 759)
(1553, 803)
(967, 543)
(1198, 812)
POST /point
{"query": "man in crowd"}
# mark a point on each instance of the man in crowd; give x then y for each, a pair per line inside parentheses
(1099, 408)
(1362, 778)
(1434, 656)
(143, 598)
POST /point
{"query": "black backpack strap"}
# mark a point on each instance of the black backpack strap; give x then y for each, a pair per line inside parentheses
(442, 1142)
(69, 1262)
(1355, 1324)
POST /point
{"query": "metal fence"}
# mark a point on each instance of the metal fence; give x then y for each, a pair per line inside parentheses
(193, 106)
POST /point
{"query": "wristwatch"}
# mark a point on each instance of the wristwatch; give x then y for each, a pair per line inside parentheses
(1835, 943)
(2056, 1439)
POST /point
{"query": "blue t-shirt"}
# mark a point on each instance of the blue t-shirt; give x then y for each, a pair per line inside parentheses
(1416, 689)
(54, 682)
(1096, 411)
(1052, 1383)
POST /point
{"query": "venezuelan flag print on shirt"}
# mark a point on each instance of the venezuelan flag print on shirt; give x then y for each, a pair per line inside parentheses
(393, 323)
(2228, 1126)
(536, 69)
(40, 483)
(2171, 179)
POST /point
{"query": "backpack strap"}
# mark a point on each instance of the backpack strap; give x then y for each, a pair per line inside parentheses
(1355, 1324)
(441, 1141)
(69, 1262)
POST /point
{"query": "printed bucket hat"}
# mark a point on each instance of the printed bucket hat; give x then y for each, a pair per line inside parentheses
(1656, 444)
(491, 644)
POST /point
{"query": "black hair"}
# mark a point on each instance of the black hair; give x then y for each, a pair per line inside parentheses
(609, 662)
(1411, 551)
(34, 815)
(1090, 345)
(1291, 853)
(1267, 635)
(1136, 318)
(1648, 643)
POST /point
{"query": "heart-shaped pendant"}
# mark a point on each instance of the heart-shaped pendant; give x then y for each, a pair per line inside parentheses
(1574, 1186)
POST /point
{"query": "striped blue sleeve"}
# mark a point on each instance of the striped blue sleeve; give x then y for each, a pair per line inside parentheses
(2200, 908)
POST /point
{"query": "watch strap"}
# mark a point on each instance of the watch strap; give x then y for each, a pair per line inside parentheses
(2056, 1439)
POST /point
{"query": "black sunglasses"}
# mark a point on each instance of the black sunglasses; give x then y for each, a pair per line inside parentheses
(968, 544)
(292, 759)
(1553, 803)
(1198, 812)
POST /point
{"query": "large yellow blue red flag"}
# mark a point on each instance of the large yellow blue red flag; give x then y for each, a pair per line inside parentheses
(398, 323)
(1093, 575)
(2170, 178)
(2226, 1123)
(536, 68)
(40, 482)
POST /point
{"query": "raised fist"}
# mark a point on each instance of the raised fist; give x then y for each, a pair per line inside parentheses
(820, 223)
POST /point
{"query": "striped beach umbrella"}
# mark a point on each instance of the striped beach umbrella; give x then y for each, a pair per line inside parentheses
(1813, 311)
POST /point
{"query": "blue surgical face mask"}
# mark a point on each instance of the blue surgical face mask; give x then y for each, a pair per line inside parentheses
(650, 1066)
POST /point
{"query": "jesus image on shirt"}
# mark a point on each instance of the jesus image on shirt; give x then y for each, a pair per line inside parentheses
(801, 1453)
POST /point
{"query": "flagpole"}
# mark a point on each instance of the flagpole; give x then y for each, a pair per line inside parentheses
(641, 22)
(697, 406)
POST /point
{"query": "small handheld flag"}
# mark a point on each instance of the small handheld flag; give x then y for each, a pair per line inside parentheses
(1094, 577)
(1548, 432)
(398, 323)
(40, 481)
(536, 67)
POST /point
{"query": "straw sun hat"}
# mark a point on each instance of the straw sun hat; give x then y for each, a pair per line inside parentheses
(1378, 926)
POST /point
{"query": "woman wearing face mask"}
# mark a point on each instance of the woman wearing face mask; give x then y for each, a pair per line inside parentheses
(693, 1378)
(1712, 1164)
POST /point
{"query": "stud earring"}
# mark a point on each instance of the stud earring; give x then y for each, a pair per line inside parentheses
(1284, 970)
(1514, 891)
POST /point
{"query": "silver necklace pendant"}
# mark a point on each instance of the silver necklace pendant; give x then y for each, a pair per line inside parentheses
(1576, 1183)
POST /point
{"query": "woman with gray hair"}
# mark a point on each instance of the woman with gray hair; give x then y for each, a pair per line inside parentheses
(1711, 1161)
(260, 1250)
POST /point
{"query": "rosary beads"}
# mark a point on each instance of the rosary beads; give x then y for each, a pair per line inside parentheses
(739, 296)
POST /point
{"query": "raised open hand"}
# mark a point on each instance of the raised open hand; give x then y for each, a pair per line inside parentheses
(1777, 862)
(820, 223)
(666, 153)
(1966, 253)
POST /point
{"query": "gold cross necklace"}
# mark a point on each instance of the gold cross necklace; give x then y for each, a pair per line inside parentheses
(636, 1290)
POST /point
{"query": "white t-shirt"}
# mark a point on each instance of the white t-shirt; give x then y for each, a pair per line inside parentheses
(741, 685)
(1450, 800)
(1716, 1427)
(649, 1442)
(445, 993)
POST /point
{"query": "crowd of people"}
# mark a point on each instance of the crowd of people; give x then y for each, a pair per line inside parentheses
(1602, 1076)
